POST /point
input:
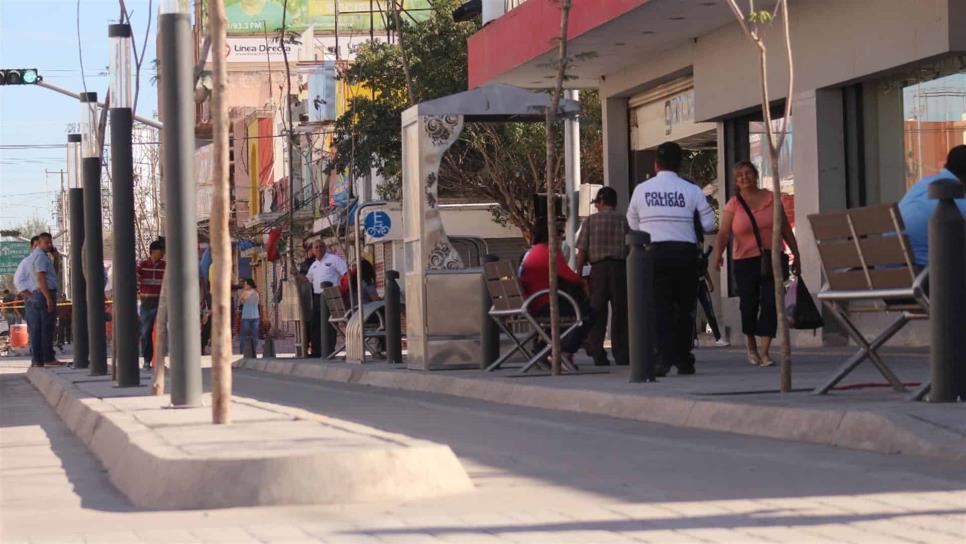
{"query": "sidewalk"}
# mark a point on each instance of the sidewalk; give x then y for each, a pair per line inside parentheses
(727, 394)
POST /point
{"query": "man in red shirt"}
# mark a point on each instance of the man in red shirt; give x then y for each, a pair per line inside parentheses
(535, 276)
(150, 273)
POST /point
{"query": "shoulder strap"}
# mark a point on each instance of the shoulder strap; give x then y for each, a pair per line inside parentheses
(754, 224)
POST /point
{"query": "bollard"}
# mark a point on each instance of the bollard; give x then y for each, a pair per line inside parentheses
(78, 286)
(325, 347)
(640, 306)
(248, 349)
(393, 319)
(489, 332)
(947, 293)
(268, 347)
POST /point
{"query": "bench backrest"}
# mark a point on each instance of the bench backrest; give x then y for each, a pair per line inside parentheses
(501, 282)
(864, 248)
(335, 302)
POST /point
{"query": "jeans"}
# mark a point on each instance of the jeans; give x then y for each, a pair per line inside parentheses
(41, 328)
(147, 330)
(249, 329)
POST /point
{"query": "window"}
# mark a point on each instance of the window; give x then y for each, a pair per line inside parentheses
(934, 113)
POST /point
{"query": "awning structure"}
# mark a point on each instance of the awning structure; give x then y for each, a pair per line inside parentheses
(494, 103)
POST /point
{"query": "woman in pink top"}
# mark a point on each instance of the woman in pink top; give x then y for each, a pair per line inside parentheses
(756, 293)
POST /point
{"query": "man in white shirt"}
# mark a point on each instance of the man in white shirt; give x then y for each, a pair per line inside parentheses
(327, 268)
(24, 283)
(669, 208)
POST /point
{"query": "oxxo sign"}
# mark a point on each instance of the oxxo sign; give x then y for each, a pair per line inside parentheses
(677, 110)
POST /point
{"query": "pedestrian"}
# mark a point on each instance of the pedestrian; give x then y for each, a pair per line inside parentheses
(748, 221)
(150, 273)
(602, 244)
(916, 207)
(250, 316)
(327, 268)
(43, 303)
(535, 277)
(665, 206)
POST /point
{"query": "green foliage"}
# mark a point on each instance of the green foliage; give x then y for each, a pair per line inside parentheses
(760, 17)
(368, 134)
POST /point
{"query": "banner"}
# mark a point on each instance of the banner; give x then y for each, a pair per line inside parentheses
(257, 16)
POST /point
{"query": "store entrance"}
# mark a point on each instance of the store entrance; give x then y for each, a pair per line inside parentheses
(700, 163)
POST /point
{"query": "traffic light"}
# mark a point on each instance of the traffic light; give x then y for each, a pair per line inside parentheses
(20, 76)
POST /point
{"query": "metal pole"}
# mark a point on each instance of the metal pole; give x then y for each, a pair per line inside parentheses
(122, 177)
(489, 332)
(572, 178)
(177, 140)
(94, 260)
(359, 233)
(143, 120)
(947, 292)
(393, 319)
(78, 312)
(640, 306)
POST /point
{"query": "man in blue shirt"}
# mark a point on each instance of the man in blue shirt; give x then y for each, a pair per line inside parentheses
(43, 303)
(916, 207)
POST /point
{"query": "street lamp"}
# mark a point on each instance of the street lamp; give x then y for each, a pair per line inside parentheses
(122, 177)
(93, 238)
(178, 147)
(78, 295)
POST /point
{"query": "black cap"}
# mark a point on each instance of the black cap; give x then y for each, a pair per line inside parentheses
(669, 156)
(607, 196)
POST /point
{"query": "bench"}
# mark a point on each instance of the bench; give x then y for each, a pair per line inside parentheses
(869, 267)
(510, 311)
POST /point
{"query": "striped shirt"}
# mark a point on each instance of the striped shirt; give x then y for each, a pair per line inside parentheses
(664, 207)
(150, 274)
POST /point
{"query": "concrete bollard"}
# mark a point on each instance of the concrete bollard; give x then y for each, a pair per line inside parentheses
(489, 332)
(393, 319)
(640, 306)
(248, 349)
(947, 293)
(268, 347)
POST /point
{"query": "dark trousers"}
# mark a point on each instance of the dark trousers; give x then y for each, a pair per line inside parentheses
(42, 331)
(675, 296)
(572, 342)
(704, 297)
(757, 299)
(608, 285)
(317, 328)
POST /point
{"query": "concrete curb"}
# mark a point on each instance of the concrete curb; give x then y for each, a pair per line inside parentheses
(154, 473)
(852, 429)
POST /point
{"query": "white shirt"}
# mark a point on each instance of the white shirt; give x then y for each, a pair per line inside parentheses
(330, 269)
(664, 207)
(23, 278)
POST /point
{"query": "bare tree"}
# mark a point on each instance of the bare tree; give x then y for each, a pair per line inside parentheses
(754, 23)
(551, 120)
(220, 241)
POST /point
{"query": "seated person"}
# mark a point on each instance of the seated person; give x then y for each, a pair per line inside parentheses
(916, 207)
(535, 276)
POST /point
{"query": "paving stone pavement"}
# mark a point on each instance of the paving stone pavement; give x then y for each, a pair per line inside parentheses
(540, 476)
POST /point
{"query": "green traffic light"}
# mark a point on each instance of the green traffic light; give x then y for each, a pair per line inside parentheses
(29, 77)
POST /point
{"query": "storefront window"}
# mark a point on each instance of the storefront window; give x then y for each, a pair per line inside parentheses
(760, 156)
(935, 121)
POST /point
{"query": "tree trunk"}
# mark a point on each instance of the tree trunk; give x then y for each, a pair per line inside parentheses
(777, 248)
(160, 338)
(551, 192)
(220, 240)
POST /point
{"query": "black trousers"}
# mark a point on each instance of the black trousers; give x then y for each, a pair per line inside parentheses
(317, 328)
(608, 285)
(757, 299)
(675, 296)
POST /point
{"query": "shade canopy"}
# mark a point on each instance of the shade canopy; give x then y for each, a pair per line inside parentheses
(495, 103)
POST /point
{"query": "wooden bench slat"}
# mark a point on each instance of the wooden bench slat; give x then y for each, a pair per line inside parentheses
(839, 254)
(830, 226)
(874, 219)
(891, 278)
(884, 250)
(850, 280)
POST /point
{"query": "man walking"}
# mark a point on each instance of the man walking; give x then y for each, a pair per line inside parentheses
(601, 243)
(43, 303)
(664, 206)
(150, 274)
(327, 268)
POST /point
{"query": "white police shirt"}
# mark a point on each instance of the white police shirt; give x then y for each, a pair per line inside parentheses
(329, 269)
(664, 207)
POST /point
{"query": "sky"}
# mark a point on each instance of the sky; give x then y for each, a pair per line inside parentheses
(42, 34)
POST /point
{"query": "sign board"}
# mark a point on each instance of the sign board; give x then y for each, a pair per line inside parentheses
(667, 119)
(260, 49)
(11, 253)
(257, 16)
(383, 224)
(204, 171)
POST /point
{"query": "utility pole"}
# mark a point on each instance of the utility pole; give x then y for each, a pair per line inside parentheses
(572, 177)
(177, 139)
(93, 238)
(78, 286)
(122, 177)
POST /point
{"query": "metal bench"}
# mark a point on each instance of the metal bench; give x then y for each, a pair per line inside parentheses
(868, 265)
(510, 310)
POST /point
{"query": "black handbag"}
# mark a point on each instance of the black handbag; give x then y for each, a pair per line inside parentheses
(765, 263)
(805, 315)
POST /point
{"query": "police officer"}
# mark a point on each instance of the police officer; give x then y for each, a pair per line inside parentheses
(665, 206)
